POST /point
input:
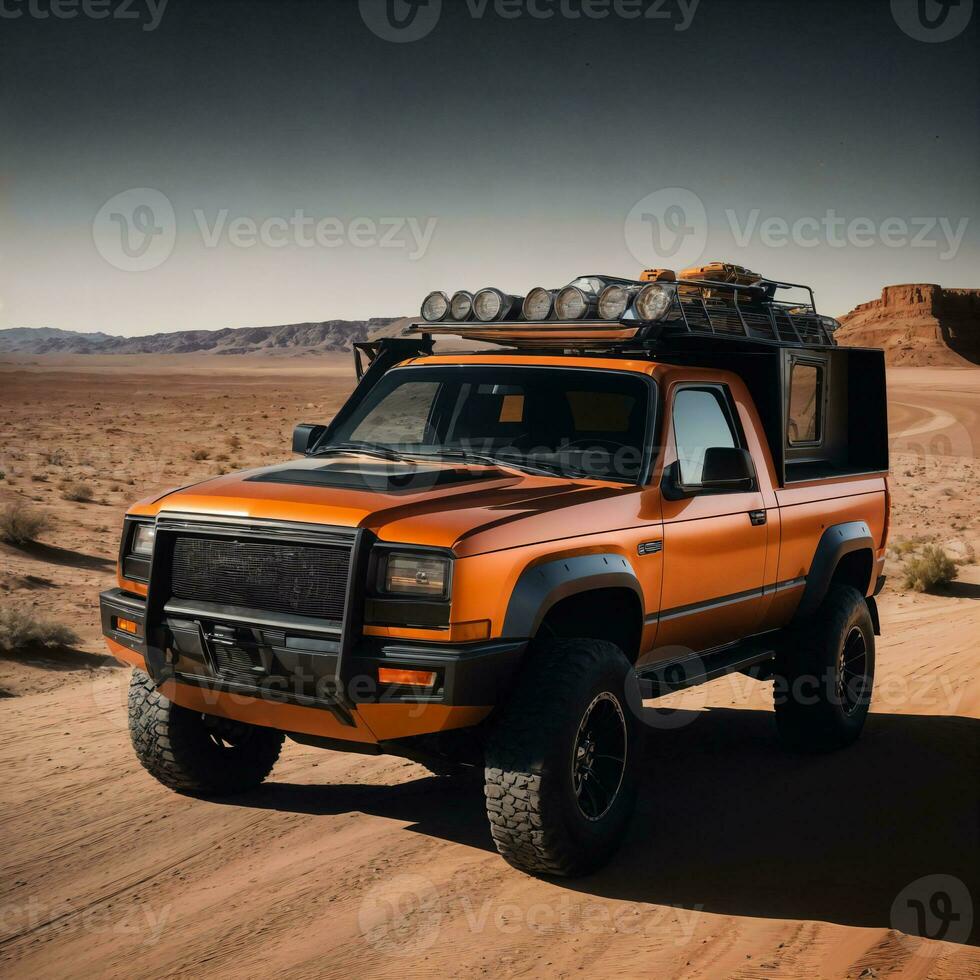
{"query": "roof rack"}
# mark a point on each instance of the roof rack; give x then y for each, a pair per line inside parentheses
(698, 309)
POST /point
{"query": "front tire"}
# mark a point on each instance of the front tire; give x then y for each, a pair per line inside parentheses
(196, 754)
(824, 674)
(562, 761)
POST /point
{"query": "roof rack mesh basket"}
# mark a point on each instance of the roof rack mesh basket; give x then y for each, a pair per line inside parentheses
(745, 312)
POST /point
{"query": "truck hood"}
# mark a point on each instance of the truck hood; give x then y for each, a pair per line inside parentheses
(441, 504)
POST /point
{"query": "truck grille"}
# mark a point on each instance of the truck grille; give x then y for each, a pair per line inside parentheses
(307, 580)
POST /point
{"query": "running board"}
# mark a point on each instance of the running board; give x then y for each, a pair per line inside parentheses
(677, 675)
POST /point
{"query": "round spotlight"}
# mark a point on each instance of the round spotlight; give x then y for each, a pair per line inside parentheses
(462, 305)
(538, 304)
(653, 301)
(613, 301)
(491, 304)
(571, 304)
(435, 306)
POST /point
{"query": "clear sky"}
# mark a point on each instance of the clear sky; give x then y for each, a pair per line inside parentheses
(215, 164)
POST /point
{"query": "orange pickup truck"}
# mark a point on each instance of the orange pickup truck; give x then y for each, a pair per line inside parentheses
(490, 559)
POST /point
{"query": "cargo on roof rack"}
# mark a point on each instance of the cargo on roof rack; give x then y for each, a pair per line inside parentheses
(719, 301)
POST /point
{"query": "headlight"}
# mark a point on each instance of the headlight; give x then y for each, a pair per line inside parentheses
(491, 304)
(419, 575)
(462, 305)
(538, 303)
(435, 306)
(653, 301)
(613, 301)
(571, 304)
(143, 539)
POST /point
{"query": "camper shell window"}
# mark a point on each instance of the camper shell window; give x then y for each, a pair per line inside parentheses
(805, 412)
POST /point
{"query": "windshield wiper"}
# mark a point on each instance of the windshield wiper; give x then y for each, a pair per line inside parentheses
(543, 469)
(367, 448)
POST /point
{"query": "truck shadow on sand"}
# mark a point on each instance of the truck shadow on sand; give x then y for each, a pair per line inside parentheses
(66, 557)
(728, 822)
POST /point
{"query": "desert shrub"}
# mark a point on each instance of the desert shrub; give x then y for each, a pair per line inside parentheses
(21, 629)
(21, 524)
(201, 454)
(931, 568)
(233, 442)
(904, 547)
(76, 490)
(39, 478)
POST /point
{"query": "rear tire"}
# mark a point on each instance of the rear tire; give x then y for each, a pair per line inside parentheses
(197, 754)
(824, 674)
(562, 761)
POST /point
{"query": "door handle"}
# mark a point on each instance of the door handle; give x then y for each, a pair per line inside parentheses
(757, 517)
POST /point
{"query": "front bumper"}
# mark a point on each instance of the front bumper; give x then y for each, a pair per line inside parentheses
(284, 660)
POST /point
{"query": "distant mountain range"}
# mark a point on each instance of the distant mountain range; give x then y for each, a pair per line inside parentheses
(295, 338)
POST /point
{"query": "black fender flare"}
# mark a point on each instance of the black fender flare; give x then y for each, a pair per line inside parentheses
(542, 586)
(836, 541)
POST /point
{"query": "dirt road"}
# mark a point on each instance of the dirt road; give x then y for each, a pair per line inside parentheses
(742, 861)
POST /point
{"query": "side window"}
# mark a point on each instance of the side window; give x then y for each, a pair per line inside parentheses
(401, 417)
(804, 424)
(700, 422)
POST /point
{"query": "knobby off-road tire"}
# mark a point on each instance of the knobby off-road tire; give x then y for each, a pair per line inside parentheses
(555, 805)
(824, 674)
(194, 753)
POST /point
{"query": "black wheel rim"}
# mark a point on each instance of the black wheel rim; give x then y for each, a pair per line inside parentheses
(852, 671)
(224, 734)
(599, 756)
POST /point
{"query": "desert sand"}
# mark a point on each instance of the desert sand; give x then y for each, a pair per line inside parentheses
(742, 861)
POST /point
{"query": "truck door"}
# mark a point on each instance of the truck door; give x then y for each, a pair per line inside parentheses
(714, 556)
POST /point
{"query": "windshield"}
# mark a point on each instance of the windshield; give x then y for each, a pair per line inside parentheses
(574, 422)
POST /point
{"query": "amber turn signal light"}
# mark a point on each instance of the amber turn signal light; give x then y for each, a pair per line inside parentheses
(414, 678)
(127, 626)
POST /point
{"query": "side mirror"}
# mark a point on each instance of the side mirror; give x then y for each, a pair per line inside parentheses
(728, 469)
(306, 436)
